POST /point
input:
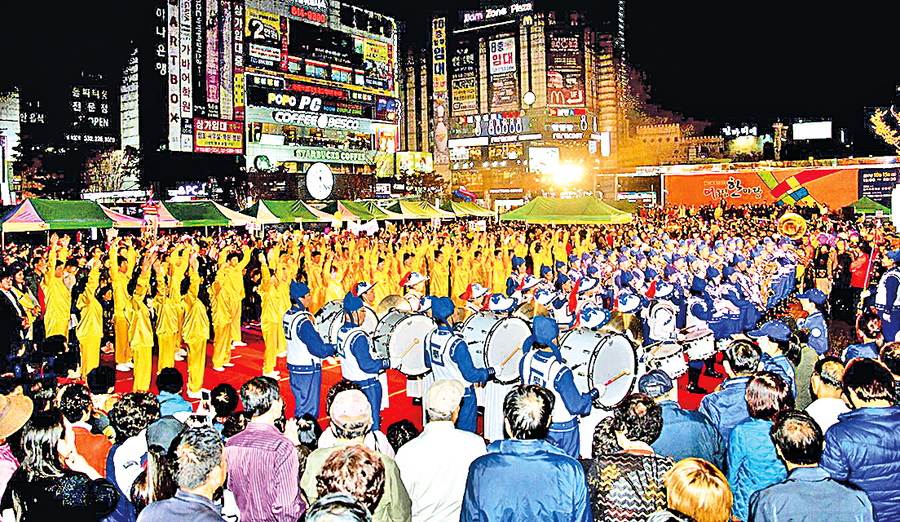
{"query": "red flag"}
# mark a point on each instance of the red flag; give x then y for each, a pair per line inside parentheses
(573, 297)
(874, 255)
(651, 292)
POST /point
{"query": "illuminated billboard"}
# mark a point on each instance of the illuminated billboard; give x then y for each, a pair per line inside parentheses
(543, 160)
(503, 55)
(415, 162)
(439, 89)
(464, 86)
(565, 71)
(813, 130)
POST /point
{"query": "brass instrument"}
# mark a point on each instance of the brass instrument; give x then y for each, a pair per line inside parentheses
(792, 225)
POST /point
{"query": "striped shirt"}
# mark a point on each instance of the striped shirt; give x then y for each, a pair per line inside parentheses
(263, 473)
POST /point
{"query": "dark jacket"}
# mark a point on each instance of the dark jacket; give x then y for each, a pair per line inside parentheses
(727, 407)
(752, 463)
(863, 448)
(823, 498)
(687, 434)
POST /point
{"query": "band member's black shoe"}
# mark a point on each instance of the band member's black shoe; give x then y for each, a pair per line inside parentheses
(711, 372)
(693, 388)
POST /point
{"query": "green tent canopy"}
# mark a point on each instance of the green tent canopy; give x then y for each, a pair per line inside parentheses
(36, 214)
(404, 211)
(584, 210)
(869, 206)
(269, 212)
(349, 210)
(205, 213)
(467, 209)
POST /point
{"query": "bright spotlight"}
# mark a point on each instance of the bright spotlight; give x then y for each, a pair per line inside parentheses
(567, 174)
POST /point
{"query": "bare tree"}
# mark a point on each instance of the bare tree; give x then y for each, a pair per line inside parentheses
(112, 170)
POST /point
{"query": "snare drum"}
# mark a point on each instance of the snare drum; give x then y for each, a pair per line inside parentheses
(699, 345)
(600, 358)
(330, 319)
(401, 336)
(669, 358)
(496, 342)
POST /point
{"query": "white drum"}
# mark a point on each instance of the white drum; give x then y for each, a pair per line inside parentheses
(600, 358)
(669, 358)
(699, 345)
(330, 319)
(401, 336)
(496, 342)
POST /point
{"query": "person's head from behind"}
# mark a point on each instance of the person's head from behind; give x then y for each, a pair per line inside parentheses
(45, 443)
(133, 413)
(337, 507)
(351, 415)
(526, 412)
(798, 439)
(338, 387)
(75, 403)
(401, 432)
(890, 357)
(102, 380)
(638, 419)
(235, 423)
(262, 398)
(355, 470)
(224, 400)
(200, 461)
(867, 383)
(605, 441)
(170, 380)
(826, 378)
(699, 490)
(442, 400)
(868, 326)
(768, 395)
(741, 358)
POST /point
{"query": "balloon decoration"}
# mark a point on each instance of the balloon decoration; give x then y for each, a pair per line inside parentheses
(464, 194)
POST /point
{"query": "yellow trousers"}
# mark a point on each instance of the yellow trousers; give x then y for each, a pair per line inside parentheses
(90, 355)
(236, 324)
(273, 336)
(123, 348)
(169, 343)
(221, 345)
(196, 360)
(143, 367)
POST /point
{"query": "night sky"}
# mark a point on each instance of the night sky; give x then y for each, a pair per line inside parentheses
(724, 61)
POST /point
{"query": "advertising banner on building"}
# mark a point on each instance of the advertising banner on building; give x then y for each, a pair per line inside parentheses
(226, 76)
(262, 35)
(565, 71)
(834, 187)
(503, 55)
(504, 92)
(238, 31)
(464, 85)
(877, 184)
(439, 89)
(218, 136)
(212, 58)
(198, 66)
(415, 162)
(185, 54)
(174, 71)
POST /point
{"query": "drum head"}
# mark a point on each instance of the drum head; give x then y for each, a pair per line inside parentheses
(665, 350)
(614, 360)
(371, 320)
(697, 334)
(503, 348)
(391, 302)
(407, 344)
(329, 321)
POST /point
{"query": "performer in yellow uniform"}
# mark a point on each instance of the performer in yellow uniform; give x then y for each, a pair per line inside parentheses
(140, 329)
(57, 296)
(90, 328)
(195, 331)
(236, 283)
(270, 290)
(168, 323)
(223, 297)
(440, 272)
(120, 273)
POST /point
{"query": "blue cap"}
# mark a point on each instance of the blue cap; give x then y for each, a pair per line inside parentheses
(815, 295)
(894, 255)
(352, 303)
(698, 285)
(627, 277)
(545, 330)
(691, 258)
(517, 261)
(772, 329)
(739, 259)
(621, 259)
(561, 279)
(655, 383)
(442, 307)
(545, 270)
(592, 270)
(676, 257)
(298, 290)
(712, 272)
(640, 256)
(671, 270)
(727, 271)
(560, 264)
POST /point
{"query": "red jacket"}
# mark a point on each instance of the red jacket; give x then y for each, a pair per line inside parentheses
(858, 269)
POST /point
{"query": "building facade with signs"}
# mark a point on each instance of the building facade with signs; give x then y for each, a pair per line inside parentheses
(516, 94)
(321, 87)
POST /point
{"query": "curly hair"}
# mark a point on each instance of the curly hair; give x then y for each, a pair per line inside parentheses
(133, 413)
(356, 471)
(75, 402)
(639, 417)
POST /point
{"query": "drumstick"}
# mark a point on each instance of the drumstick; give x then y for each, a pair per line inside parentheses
(510, 356)
(616, 378)
(411, 346)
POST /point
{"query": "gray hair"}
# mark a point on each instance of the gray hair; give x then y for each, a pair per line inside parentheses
(198, 452)
(337, 507)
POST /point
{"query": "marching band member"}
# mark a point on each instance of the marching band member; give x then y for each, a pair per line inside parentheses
(813, 302)
(354, 351)
(732, 291)
(515, 279)
(662, 315)
(542, 365)
(448, 356)
(473, 296)
(700, 312)
(362, 290)
(887, 297)
(414, 283)
(305, 351)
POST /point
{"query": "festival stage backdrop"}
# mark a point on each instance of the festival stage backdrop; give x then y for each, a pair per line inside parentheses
(835, 187)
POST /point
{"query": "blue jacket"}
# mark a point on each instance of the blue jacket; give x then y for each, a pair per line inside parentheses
(752, 463)
(809, 495)
(781, 366)
(172, 403)
(864, 448)
(818, 332)
(525, 480)
(727, 407)
(687, 434)
(861, 351)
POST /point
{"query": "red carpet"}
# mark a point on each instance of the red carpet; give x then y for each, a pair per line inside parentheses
(248, 364)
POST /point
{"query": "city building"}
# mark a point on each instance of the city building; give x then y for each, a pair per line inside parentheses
(93, 114)
(10, 127)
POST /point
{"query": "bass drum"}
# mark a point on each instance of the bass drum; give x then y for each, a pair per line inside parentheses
(601, 358)
(392, 302)
(496, 342)
(528, 311)
(330, 319)
(401, 336)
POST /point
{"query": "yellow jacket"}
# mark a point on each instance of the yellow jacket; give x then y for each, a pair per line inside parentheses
(140, 328)
(196, 322)
(91, 324)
